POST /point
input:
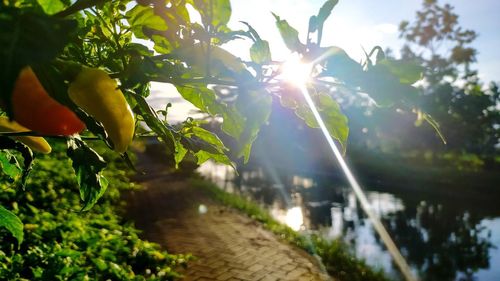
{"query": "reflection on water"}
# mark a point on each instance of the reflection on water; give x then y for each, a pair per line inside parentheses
(292, 217)
(443, 238)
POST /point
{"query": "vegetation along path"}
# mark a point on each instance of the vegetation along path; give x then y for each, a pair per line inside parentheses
(227, 244)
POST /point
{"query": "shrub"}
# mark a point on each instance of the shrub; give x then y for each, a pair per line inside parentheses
(61, 243)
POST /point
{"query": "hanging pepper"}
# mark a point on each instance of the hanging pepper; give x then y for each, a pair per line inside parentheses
(36, 143)
(36, 110)
(98, 95)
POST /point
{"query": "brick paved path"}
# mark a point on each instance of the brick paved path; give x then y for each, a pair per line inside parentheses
(228, 245)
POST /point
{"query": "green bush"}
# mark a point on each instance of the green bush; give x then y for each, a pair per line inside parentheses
(61, 243)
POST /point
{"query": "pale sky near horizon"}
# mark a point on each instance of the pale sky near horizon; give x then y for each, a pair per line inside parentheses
(353, 24)
(366, 23)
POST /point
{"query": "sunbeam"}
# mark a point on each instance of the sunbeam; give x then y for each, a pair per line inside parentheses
(389, 243)
(295, 71)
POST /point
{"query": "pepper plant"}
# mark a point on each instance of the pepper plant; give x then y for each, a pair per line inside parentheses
(138, 42)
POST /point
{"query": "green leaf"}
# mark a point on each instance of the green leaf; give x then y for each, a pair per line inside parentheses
(213, 12)
(51, 6)
(79, 5)
(221, 12)
(336, 122)
(256, 106)
(206, 100)
(208, 137)
(100, 264)
(385, 88)
(9, 165)
(180, 153)
(162, 44)
(340, 66)
(203, 156)
(205, 150)
(201, 97)
(26, 153)
(220, 64)
(422, 116)
(88, 165)
(408, 72)
(252, 33)
(326, 10)
(165, 133)
(260, 52)
(12, 223)
(28, 38)
(289, 35)
(203, 143)
(316, 22)
(68, 253)
(142, 18)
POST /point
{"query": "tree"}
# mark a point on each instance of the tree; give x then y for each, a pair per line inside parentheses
(452, 92)
(60, 40)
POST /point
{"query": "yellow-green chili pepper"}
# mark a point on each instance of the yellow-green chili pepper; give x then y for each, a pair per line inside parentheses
(36, 143)
(98, 95)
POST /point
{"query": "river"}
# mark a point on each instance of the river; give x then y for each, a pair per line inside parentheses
(443, 236)
(446, 233)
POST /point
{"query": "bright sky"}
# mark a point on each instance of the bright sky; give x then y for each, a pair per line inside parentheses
(353, 24)
(366, 23)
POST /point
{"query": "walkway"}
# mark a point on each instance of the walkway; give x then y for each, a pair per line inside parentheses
(228, 245)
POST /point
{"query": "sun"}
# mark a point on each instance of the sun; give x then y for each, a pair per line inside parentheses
(295, 71)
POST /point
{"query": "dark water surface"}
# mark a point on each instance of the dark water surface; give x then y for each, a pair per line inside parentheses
(445, 234)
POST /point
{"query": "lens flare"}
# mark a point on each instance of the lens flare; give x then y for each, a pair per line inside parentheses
(377, 224)
(294, 218)
(295, 71)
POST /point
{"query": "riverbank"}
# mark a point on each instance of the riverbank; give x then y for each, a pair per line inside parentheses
(175, 212)
(335, 256)
(189, 214)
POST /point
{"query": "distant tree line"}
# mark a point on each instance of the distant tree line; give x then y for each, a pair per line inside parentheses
(466, 109)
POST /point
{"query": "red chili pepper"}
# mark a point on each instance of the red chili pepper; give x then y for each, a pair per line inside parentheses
(36, 110)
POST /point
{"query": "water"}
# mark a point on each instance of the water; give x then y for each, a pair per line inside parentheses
(443, 236)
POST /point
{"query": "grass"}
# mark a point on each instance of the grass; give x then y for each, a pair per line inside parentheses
(61, 243)
(336, 256)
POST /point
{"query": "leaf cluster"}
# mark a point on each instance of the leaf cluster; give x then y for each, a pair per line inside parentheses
(140, 42)
(64, 244)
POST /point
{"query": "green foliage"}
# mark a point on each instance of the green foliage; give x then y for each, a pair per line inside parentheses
(260, 52)
(142, 19)
(437, 30)
(58, 38)
(340, 263)
(334, 119)
(12, 223)
(10, 166)
(206, 100)
(408, 72)
(339, 64)
(203, 143)
(10, 161)
(290, 35)
(88, 166)
(457, 106)
(316, 22)
(256, 108)
(61, 243)
(338, 259)
(214, 13)
(51, 7)
(324, 13)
